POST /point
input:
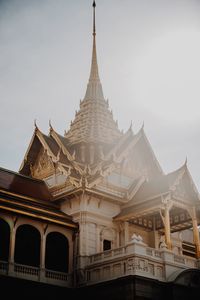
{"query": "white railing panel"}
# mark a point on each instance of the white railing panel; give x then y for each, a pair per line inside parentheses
(35, 274)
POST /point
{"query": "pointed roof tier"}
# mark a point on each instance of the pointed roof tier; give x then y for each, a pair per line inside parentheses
(93, 148)
(170, 182)
(94, 88)
(94, 121)
(177, 186)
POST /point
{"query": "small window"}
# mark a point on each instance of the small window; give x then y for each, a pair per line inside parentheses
(106, 245)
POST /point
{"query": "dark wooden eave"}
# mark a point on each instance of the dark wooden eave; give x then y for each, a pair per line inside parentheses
(25, 196)
(23, 185)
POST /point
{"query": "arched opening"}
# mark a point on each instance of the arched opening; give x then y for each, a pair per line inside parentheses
(57, 252)
(4, 240)
(186, 284)
(27, 246)
(188, 277)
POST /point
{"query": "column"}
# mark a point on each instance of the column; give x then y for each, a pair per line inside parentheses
(117, 239)
(71, 245)
(126, 232)
(42, 257)
(167, 228)
(83, 239)
(12, 250)
(195, 233)
(98, 245)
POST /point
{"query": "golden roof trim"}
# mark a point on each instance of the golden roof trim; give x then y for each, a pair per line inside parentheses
(38, 217)
(31, 207)
(25, 197)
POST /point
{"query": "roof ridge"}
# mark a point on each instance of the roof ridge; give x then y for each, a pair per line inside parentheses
(184, 166)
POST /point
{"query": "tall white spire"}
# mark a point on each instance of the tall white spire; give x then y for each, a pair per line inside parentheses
(94, 121)
(94, 88)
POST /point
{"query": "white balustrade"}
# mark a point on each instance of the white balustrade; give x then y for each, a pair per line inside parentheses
(26, 270)
(133, 259)
(137, 259)
(34, 273)
(56, 275)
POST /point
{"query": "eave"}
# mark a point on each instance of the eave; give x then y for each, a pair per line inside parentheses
(35, 216)
(34, 208)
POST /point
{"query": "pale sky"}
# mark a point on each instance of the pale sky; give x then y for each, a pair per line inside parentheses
(149, 64)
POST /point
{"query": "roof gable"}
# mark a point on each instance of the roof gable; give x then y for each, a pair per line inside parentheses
(184, 187)
(179, 183)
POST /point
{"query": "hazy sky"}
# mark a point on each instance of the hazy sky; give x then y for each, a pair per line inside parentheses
(149, 64)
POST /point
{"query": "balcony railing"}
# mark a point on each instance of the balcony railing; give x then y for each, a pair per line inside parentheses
(133, 259)
(136, 259)
(35, 274)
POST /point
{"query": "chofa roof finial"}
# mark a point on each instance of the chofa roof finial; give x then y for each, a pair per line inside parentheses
(35, 123)
(185, 163)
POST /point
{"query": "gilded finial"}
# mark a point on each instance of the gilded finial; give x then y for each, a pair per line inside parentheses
(143, 125)
(185, 164)
(50, 125)
(35, 123)
(94, 26)
(142, 128)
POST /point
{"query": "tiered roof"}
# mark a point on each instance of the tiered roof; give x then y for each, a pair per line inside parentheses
(94, 121)
(94, 146)
(95, 156)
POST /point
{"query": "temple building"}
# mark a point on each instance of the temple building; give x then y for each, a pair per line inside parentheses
(92, 211)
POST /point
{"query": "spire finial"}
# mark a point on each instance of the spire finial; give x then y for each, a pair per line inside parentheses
(50, 125)
(35, 123)
(131, 125)
(185, 163)
(142, 125)
(94, 26)
(94, 89)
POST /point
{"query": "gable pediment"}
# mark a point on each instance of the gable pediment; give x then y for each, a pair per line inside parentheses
(43, 166)
(184, 189)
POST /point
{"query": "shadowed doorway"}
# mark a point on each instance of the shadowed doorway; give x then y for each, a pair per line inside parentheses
(57, 252)
(27, 246)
